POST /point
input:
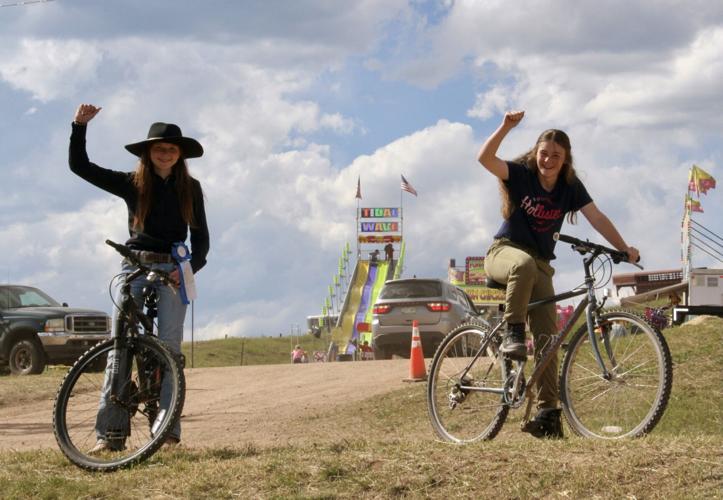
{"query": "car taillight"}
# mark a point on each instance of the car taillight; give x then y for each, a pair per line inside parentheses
(438, 306)
(382, 308)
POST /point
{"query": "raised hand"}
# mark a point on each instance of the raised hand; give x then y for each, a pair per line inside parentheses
(85, 113)
(512, 118)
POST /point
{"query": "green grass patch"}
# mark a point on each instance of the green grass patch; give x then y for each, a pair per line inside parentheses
(237, 351)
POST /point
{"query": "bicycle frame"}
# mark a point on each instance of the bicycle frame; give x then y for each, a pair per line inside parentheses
(126, 326)
(589, 304)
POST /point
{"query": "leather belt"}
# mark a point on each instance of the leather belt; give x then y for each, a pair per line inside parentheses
(148, 257)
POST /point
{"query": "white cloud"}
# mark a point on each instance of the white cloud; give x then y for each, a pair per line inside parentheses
(48, 69)
(337, 123)
(493, 102)
(678, 93)
(63, 253)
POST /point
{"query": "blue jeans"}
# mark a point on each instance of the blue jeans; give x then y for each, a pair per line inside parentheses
(171, 315)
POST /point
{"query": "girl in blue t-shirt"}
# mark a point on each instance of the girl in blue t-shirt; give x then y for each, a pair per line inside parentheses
(538, 190)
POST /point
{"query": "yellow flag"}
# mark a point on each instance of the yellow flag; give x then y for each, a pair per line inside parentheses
(700, 181)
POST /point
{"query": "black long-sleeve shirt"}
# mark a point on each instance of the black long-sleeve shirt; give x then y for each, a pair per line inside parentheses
(164, 224)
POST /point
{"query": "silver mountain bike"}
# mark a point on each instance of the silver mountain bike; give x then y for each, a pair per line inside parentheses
(615, 377)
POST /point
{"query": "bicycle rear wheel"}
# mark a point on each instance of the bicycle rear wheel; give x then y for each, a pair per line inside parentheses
(631, 401)
(145, 424)
(458, 412)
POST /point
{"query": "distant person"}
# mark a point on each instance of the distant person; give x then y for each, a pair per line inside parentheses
(351, 348)
(298, 355)
(389, 251)
(367, 352)
(165, 204)
(538, 190)
(374, 256)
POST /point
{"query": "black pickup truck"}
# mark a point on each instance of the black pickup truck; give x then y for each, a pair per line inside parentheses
(35, 330)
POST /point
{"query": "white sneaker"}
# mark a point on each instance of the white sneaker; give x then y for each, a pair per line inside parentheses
(100, 446)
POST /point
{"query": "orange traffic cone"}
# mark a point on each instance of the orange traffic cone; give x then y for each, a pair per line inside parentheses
(417, 370)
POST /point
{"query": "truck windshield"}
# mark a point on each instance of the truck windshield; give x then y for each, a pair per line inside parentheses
(24, 296)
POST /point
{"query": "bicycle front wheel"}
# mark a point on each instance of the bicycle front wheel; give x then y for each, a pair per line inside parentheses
(465, 391)
(631, 400)
(141, 418)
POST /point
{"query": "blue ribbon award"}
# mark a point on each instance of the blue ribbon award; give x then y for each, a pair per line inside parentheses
(185, 272)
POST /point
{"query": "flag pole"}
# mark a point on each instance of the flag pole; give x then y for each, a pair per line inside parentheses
(687, 264)
(685, 240)
(401, 216)
(358, 199)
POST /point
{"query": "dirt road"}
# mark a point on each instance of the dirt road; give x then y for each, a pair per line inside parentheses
(226, 406)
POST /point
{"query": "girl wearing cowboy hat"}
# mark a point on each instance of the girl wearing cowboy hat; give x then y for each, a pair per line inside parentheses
(164, 204)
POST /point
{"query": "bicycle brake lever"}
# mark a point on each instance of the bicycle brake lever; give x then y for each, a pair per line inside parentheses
(624, 258)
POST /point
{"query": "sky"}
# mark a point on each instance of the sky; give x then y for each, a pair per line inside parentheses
(294, 101)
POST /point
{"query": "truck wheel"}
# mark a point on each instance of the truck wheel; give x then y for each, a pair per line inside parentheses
(26, 358)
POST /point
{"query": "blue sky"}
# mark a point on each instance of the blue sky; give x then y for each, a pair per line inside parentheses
(293, 101)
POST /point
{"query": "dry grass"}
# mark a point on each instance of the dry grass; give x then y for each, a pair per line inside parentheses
(384, 448)
(16, 390)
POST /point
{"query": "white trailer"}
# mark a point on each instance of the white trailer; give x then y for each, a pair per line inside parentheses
(705, 295)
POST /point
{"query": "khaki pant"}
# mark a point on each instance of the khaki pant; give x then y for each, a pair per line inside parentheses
(528, 278)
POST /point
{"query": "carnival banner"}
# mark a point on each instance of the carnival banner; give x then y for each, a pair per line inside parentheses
(484, 295)
(379, 227)
(379, 213)
(474, 271)
(388, 238)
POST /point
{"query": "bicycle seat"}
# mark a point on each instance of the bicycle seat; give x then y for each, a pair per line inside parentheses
(490, 283)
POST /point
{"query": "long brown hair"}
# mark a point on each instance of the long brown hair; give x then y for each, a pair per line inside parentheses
(529, 159)
(143, 181)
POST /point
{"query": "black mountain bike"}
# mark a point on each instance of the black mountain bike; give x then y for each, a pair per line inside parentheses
(140, 364)
(615, 377)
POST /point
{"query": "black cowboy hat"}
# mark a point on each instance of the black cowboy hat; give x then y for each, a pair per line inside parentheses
(168, 132)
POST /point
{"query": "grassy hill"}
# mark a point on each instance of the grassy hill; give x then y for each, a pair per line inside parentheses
(387, 450)
(249, 351)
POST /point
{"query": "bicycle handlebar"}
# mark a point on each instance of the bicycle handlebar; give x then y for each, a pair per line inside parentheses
(133, 257)
(124, 251)
(587, 247)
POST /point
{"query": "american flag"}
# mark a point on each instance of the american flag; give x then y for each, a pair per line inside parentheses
(406, 186)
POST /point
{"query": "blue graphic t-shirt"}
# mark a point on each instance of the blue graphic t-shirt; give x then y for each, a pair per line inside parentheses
(538, 214)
